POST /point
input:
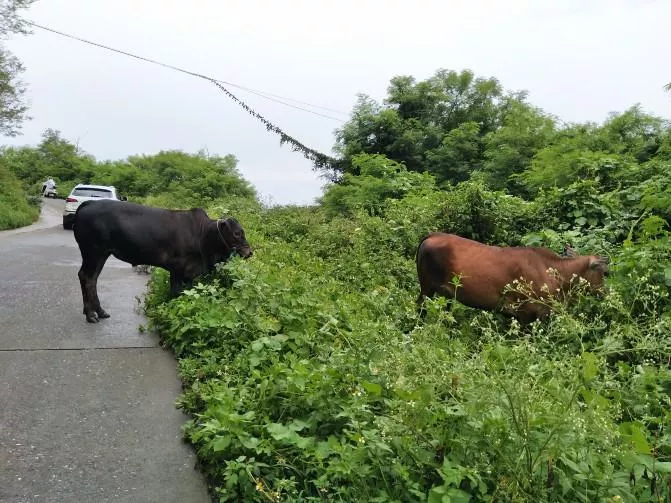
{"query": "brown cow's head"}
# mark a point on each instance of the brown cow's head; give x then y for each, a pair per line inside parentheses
(597, 270)
(233, 236)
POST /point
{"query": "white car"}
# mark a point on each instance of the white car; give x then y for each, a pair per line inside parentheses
(85, 192)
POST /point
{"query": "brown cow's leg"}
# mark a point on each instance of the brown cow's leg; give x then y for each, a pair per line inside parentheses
(425, 292)
(420, 305)
(430, 291)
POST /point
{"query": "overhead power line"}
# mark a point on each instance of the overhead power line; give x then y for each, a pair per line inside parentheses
(263, 94)
(320, 161)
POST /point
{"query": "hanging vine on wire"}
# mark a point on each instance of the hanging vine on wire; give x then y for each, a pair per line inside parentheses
(328, 165)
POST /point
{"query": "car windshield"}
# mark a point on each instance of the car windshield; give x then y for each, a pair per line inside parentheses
(92, 192)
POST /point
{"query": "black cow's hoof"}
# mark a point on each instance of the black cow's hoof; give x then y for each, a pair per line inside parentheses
(92, 317)
(102, 314)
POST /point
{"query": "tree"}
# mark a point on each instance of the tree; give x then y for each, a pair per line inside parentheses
(436, 125)
(189, 178)
(10, 22)
(379, 180)
(509, 150)
(589, 151)
(54, 157)
(634, 133)
(12, 107)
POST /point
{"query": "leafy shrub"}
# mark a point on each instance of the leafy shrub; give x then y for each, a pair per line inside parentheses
(309, 377)
(16, 209)
(168, 179)
(379, 181)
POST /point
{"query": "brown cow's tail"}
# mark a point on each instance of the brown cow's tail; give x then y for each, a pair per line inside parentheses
(422, 286)
(417, 254)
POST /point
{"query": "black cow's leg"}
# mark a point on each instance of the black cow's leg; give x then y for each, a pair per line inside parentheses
(176, 284)
(95, 301)
(86, 273)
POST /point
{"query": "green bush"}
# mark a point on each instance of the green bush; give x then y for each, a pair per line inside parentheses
(17, 209)
(170, 179)
(309, 377)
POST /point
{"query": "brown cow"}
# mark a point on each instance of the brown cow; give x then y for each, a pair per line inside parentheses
(484, 271)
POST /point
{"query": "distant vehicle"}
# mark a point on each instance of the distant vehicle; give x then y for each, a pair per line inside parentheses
(85, 192)
(49, 188)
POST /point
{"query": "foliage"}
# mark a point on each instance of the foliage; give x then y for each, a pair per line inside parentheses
(309, 377)
(379, 181)
(455, 126)
(189, 179)
(437, 125)
(10, 22)
(12, 107)
(170, 178)
(510, 149)
(16, 210)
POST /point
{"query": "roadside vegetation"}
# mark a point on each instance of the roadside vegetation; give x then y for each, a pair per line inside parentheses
(307, 373)
(17, 209)
(309, 377)
(168, 179)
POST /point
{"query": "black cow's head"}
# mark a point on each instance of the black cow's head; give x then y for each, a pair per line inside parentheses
(233, 236)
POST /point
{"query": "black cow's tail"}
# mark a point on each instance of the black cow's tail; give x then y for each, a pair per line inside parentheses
(75, 219)
(81, 206)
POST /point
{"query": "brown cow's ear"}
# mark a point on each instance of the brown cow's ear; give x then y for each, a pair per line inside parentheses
(599, 263)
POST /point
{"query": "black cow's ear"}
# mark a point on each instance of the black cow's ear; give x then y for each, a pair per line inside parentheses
(224, 226)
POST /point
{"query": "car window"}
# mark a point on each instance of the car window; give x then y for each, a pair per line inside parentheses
(92, 192)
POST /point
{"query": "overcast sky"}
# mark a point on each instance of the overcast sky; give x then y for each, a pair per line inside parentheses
(578, 59)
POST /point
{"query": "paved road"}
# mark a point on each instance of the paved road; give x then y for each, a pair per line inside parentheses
(86, 411)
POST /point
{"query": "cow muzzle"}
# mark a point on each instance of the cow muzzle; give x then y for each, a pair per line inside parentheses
(245, 252)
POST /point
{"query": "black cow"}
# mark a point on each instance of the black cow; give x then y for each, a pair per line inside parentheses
(187, 243)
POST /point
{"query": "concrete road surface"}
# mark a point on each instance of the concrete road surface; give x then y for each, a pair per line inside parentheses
(86, 411)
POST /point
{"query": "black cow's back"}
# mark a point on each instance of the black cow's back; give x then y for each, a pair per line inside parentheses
(138, 234)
